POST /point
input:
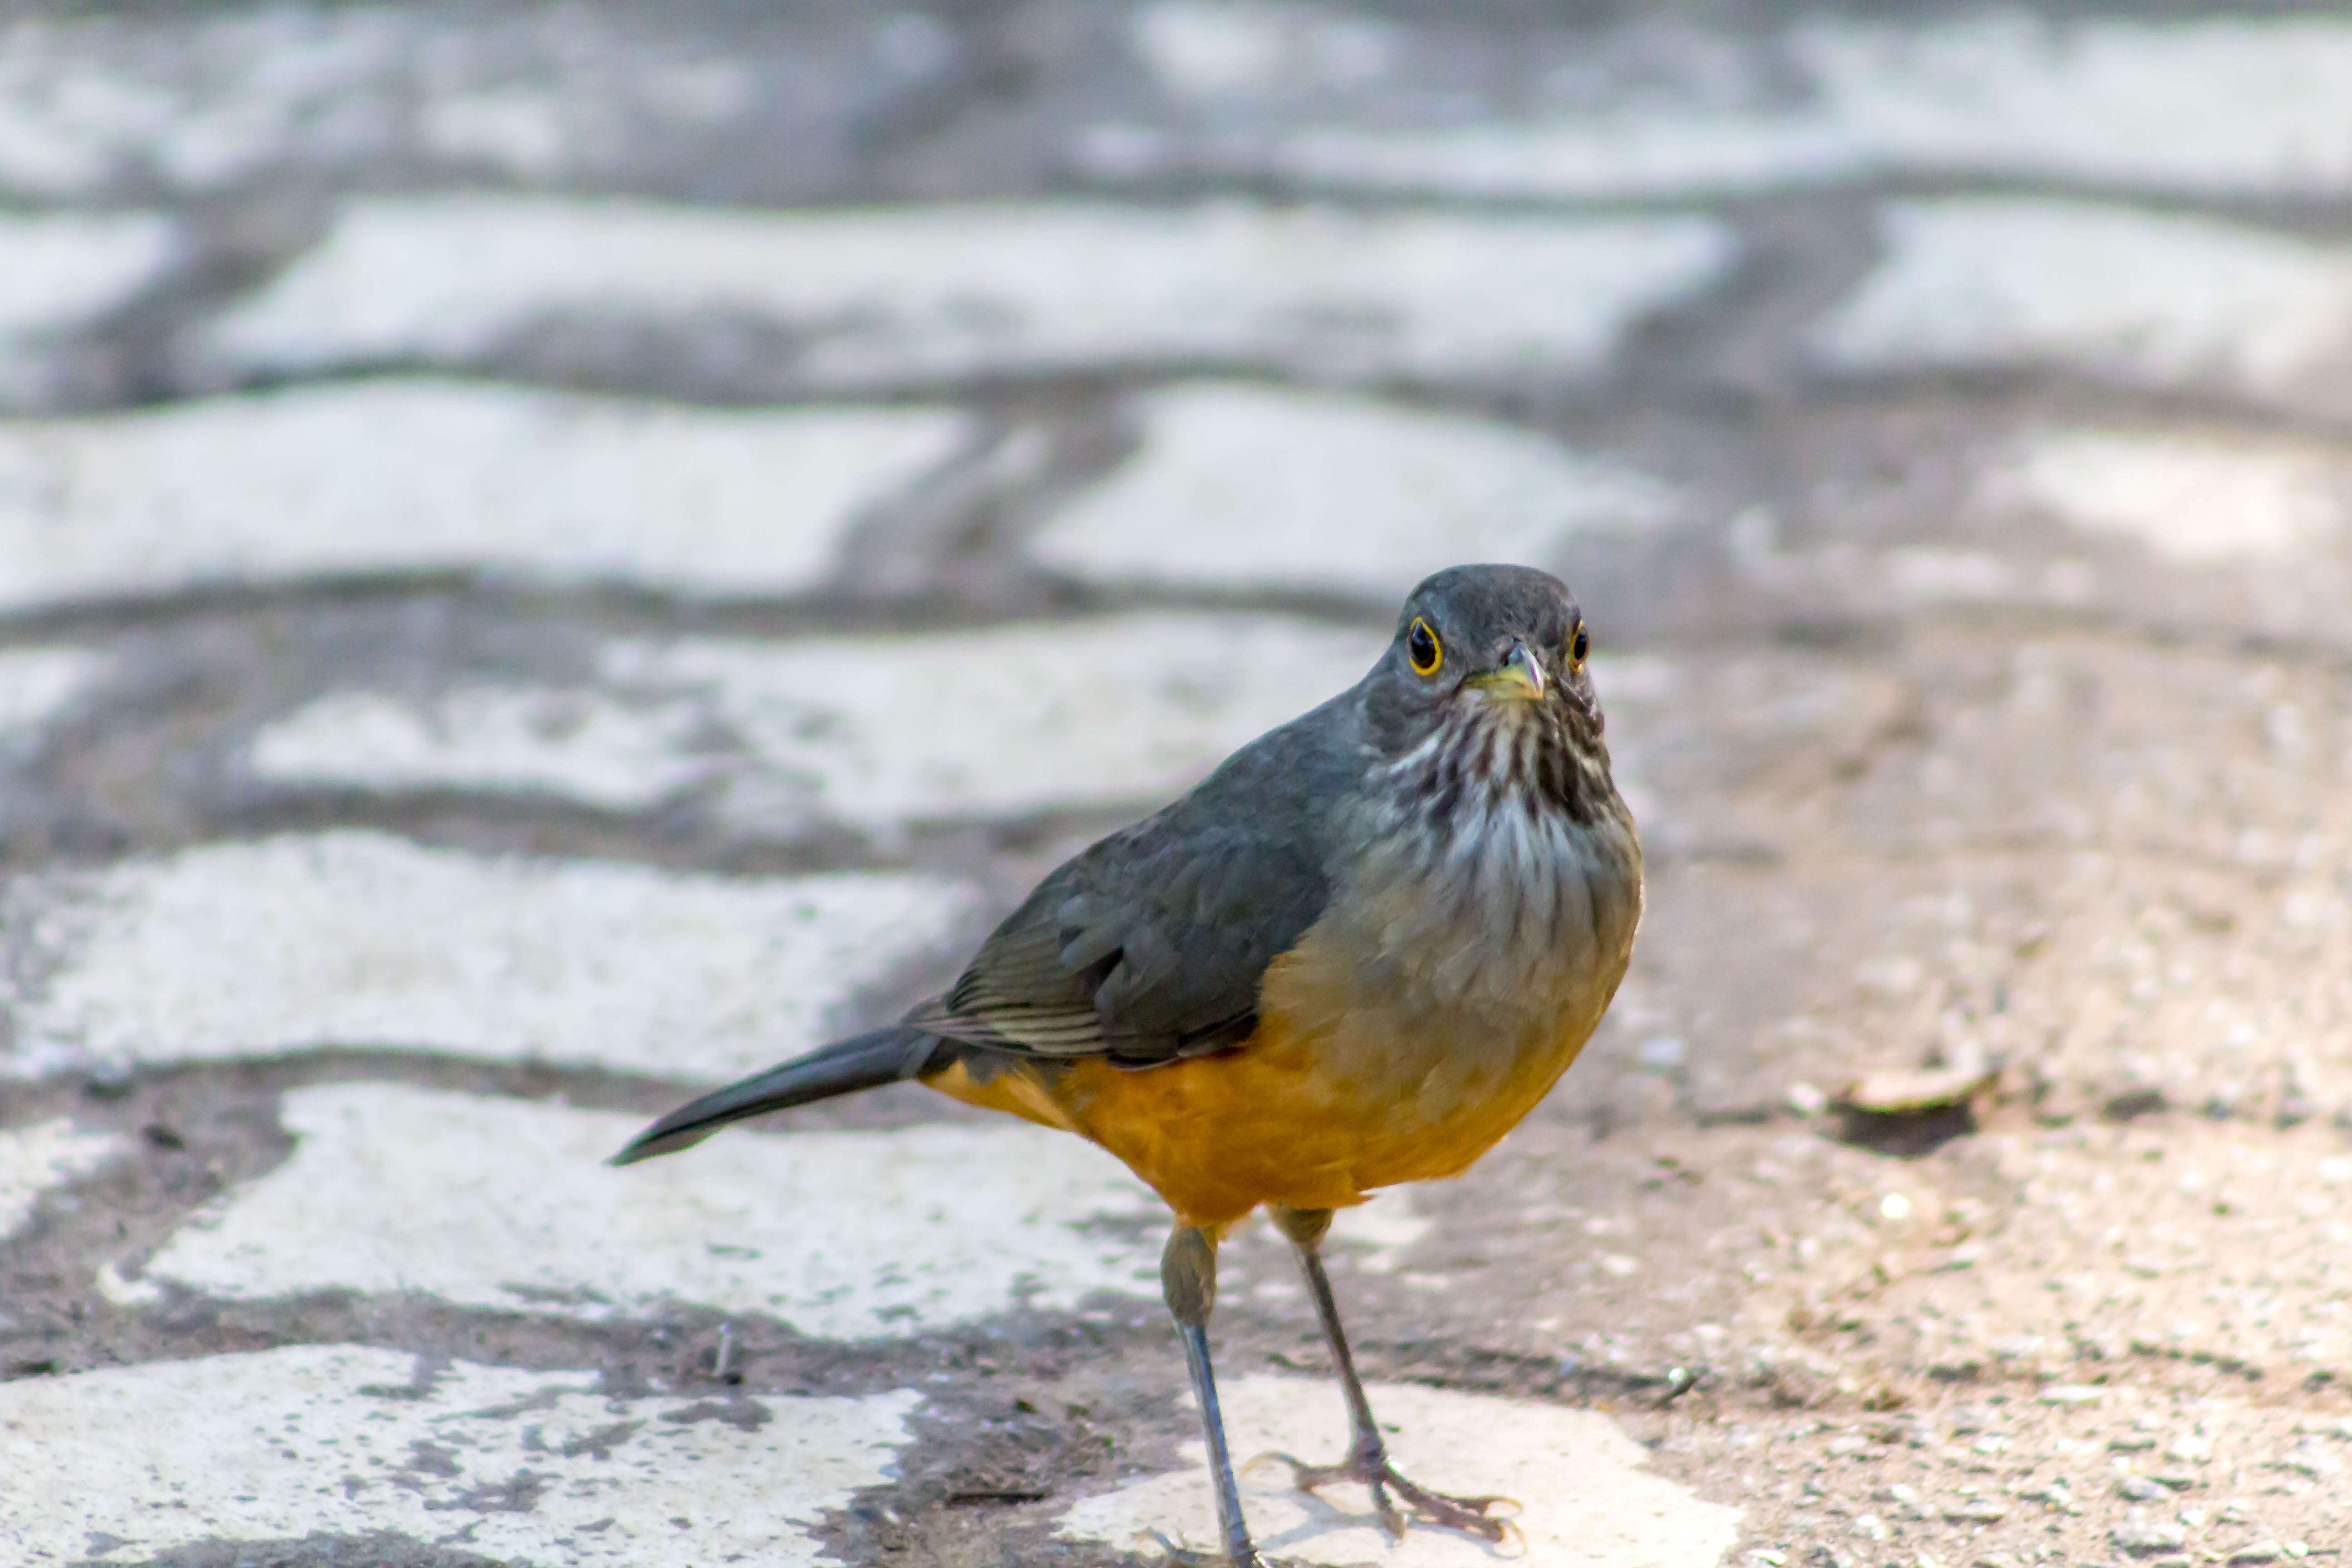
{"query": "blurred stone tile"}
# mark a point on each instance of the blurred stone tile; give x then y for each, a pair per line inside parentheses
(1338, 101)
(888, 298)
(2159, 302)
(396, 477)
(2207, 501)
(2192, 519)
(37, 684)
(1246, 487)
(61, 272)
(43, 1155)
(506, 1205)
(84, 102)
(1588, 1494)
(875, 733)
(355, 938)
(59, 269)
(352, 1441)
(584, 746)
(881, 732)
(222, 96)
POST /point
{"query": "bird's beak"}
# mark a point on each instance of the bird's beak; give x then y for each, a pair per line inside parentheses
(1520, 676)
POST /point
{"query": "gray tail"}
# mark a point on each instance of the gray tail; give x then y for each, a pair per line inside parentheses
(867, 1061)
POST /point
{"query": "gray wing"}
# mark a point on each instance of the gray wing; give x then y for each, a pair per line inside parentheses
(1150, 945)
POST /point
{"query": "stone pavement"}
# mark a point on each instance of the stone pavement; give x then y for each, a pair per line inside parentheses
(553, 555)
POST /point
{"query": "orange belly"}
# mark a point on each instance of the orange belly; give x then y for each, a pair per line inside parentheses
(1278, 1120)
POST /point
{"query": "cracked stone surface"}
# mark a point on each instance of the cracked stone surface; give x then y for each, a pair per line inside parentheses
(553, 555)
(338, 1440)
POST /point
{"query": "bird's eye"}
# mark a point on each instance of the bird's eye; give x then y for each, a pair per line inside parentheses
(1421, 645)
(1579, 645)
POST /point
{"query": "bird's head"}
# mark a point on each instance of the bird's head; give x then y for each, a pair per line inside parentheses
(1484, 689)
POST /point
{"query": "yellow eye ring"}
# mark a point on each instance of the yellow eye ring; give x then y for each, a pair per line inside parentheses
(1579, 645)
(1421, 646)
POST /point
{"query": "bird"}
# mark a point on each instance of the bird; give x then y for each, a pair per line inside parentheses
(1355, 955)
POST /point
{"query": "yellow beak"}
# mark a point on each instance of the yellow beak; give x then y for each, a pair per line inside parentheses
(1521, 677)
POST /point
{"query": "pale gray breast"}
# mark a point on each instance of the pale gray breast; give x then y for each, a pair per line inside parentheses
(1506, 913)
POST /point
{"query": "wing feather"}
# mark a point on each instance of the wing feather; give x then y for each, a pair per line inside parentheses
(1151, 946)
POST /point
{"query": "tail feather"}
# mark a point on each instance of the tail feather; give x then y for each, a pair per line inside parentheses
(866, 1061)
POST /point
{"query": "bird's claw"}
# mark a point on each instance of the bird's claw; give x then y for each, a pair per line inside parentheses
(1187, 1557)
(1470, 1515)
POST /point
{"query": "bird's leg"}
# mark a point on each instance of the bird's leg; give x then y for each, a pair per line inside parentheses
(1368, 1453)
(1188, 1278)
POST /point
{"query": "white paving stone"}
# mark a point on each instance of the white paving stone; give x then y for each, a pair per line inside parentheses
(1208, 52)
(328, 1440)
(36, 684)
(874, 733)
(1240, 487)
(46, 1154)
(2102, 100)
(2118, 295)
(2194, 499)
(83, 103)
(503, 1205)
(357, 939)
(422, 476)
(57, 270)
(1628, 153)
(1588, 1495)
(881, 297)
(581, 745)
(196, 97)
(2099, 101)
(881, 732)
(58, 273)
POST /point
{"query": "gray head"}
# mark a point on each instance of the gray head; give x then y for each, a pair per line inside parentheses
(1484, 693)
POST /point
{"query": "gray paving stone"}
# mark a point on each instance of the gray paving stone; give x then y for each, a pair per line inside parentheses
(60, 272)
(37, 684)
(2201, 502)
(507, 1205)
(1247, 488)
(1340, 102)
(613, 755)
(878, 734)
(425, 475)
(80, 102)
(43, 1155)
(2195, 519)
(359, 939)
(201, 98)
(884, 298)
(2164, 302)
(875, 733)
(346, 1440)
(1589, 1499)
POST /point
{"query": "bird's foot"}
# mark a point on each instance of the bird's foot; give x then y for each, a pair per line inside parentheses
(1472, 1515)
(1188, 1557)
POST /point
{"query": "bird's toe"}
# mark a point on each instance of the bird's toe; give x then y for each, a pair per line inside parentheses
(1472, 1515)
